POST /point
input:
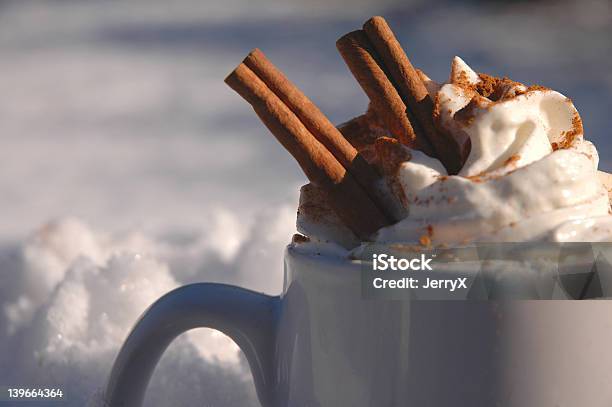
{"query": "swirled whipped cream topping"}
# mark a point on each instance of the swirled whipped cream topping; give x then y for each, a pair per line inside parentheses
(530, 174)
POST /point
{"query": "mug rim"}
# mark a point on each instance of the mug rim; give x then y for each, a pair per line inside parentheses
(333, 268)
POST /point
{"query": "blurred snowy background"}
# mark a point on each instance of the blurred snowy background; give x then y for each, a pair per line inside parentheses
(128, 168)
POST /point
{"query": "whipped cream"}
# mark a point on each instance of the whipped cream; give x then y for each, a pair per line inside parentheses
(530, 174)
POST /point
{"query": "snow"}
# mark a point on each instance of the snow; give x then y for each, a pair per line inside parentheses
(71, 294)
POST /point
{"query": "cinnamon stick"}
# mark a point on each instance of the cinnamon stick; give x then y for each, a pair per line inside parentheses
(308, 113)
(347, 198)
(319, 125)
(360, 56)
(412, 91)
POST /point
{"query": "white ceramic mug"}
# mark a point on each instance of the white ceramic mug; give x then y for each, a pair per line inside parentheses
(320, 344)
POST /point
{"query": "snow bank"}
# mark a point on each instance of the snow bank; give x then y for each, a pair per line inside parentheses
(70, 295)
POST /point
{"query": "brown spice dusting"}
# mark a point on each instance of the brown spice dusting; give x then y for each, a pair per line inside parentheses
(298, 238)
(390, 154)
(512, 159)
(362, 132)
(487, 85)
(462, 80)
(534, 87)
(369, 154)
(484, 177)
(478, 178)
(314, 203)
(467, 114)
(497, 89)
(493, 87)
(436, 113)
(569, 136)
(425, 241)
(357, 131)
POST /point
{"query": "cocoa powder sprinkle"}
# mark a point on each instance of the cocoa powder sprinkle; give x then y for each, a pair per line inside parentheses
(425, 241)
(569, 136)
(512, 159)
(534, 87)
(493, 87)
(467, 114)
(299, 238)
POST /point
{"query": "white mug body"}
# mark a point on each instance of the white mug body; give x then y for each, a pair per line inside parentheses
(335, 348)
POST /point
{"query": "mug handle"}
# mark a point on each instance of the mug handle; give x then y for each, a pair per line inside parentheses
(247, 317)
